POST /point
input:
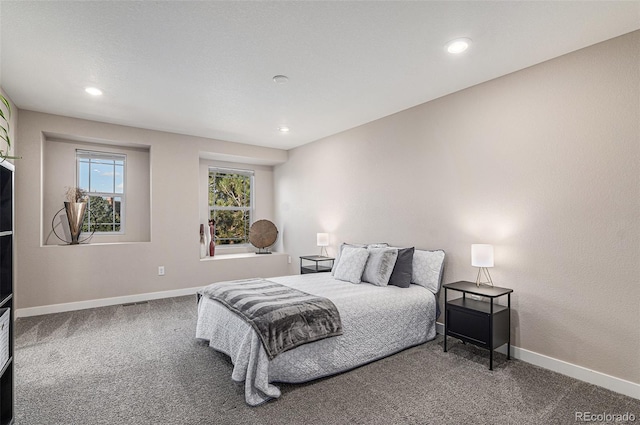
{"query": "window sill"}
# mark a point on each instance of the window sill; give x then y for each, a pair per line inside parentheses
(223, 257)
(94, 244)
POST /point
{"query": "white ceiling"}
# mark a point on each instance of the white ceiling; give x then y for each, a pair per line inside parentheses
(205, 68)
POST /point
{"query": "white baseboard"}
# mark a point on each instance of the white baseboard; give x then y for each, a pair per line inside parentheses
(102, 302)
(590, 376)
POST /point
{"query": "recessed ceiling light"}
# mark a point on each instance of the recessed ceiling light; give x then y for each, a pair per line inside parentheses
(93, 91)
(458, 45)
(283, 129)
(280, 79)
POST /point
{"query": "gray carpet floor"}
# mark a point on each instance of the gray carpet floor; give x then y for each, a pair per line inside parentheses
(141, 364)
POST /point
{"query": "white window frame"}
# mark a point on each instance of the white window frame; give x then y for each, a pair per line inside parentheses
(250, 208)
(83, 154)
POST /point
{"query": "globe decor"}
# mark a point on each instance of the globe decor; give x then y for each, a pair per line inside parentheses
(263, 234)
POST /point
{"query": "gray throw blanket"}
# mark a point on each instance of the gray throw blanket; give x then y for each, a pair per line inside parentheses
(283, 317)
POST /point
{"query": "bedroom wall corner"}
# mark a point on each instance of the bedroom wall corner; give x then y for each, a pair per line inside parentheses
(542, 163)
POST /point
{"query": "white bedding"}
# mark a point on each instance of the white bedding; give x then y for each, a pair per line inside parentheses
(377, 321)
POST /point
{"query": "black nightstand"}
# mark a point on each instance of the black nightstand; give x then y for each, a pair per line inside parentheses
(316, 267)
(482, 323)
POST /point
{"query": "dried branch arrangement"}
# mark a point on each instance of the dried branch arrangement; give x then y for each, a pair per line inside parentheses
(75, 194)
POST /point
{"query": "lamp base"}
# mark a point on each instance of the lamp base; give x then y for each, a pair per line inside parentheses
(323, 252)
(485, 271)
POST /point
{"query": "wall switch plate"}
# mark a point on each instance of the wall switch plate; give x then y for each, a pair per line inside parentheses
(161, 271)
(289, 259)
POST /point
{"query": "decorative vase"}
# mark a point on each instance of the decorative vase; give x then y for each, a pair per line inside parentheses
(207, 239)
(212, 231)
(203, 246)
(75, 216)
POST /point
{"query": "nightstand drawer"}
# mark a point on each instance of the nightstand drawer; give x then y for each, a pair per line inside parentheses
(468, 324)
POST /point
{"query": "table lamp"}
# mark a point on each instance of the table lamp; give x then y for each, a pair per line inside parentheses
(323, 242)
(482, 257)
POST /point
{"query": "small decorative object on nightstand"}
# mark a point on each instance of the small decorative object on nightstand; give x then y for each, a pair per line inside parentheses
(316, 267)
(482, 323)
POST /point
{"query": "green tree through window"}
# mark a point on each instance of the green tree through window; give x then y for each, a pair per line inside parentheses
(230, 193)
(101, 175)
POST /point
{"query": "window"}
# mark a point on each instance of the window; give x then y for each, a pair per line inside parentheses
(101, 175)
(230, 204)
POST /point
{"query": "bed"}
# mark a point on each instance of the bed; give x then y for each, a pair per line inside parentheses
(377, 321)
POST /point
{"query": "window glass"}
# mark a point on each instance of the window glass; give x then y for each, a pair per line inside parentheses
(101, 175)
(230, 198)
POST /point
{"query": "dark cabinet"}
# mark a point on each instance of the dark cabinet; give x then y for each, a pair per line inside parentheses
(6, 293)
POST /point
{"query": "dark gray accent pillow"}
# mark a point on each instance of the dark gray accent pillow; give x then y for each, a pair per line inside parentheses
(401, 275)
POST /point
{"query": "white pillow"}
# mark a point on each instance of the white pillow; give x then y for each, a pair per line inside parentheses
(337, 260)
(351, 265)
(427, 269)
(380, 265)
(359, 245)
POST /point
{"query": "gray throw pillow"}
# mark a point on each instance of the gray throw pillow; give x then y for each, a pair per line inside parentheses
(380, 265)
(403, 269)
(351, 265)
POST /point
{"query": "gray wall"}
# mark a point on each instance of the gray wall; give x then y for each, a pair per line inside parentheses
(53, 274)
(542, 163)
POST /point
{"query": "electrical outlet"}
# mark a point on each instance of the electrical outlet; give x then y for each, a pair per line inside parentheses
(289, 259)
(161, 271)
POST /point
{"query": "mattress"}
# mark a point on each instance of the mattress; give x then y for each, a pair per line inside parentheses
(377, 322)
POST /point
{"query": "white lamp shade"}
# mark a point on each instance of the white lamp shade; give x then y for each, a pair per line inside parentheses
(323, 239)
(481, 255)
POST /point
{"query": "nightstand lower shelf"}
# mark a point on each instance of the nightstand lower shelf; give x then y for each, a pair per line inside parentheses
(314, 269)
